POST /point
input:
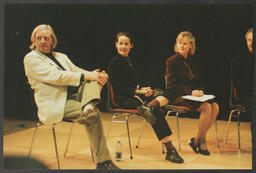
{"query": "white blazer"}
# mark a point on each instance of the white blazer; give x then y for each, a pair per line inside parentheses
(50, 83)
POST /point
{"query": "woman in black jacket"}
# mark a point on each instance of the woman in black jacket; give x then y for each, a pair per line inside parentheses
(184, 77)
(132, 91)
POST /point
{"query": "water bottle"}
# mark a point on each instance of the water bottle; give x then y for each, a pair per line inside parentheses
(118, 150)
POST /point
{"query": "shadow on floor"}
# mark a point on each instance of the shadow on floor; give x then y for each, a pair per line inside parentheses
(14, 125)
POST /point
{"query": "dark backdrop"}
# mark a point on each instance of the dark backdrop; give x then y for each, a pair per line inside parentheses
(86, 33)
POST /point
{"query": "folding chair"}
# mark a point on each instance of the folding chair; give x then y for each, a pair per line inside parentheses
(36, 128)
(117, 111)
(54, 138)
(55, 141)
(177, 110)
(236, 109)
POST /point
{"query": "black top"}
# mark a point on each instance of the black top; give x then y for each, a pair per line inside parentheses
(124, 76)
(50, 55)
(242, 75)
(71, 89)
(184, 75)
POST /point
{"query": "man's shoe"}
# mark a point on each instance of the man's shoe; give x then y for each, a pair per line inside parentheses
(147, 112)
(89, 117)
(107, 165)
(173, 156)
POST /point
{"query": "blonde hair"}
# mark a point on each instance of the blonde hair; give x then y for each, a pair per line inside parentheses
(188, 35)
(39, 28)
(250, 30)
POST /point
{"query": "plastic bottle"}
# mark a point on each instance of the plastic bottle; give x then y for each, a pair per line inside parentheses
(118, 150)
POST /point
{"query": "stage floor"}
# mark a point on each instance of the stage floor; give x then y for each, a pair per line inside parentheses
(18, 135)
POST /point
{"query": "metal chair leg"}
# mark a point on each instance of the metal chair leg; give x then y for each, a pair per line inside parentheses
(217, 139)
(68, 142)
(178, 129)
(33, 138)
(109, 126)
(69, 137)
(55, 143)
(238, 129)
(229, 120)
(92, 154)
(141, 129)
(129, 139)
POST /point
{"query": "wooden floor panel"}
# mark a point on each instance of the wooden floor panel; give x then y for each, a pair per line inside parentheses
(147, 156)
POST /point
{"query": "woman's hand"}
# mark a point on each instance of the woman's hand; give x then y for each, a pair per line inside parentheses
(147, 91)
(197, 93)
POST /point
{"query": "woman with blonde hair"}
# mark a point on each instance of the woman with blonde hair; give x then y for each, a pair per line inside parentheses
(184, 77)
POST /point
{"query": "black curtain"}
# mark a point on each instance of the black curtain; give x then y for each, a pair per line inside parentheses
(86, 33)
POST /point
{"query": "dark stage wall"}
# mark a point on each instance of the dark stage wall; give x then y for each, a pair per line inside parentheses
(86, 34)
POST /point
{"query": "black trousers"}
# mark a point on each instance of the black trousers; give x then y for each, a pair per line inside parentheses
(161, 126)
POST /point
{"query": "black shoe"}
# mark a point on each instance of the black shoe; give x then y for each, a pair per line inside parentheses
(204, 152)
(147, 112)
(173, 156)
(107, 165)
(89, 117)
(191, 142)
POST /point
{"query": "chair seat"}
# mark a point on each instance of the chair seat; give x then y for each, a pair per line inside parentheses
(68, 120)
(180, 109)
(238, 107)
(122, 110)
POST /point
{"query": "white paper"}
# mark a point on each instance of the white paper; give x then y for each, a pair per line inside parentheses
(199, 99)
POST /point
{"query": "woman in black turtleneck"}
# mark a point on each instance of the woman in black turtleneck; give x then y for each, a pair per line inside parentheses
(127, 83)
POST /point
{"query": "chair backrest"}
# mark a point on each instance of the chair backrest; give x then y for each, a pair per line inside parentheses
(165, 81)
(110, 98)
(233, 92)
(32, 102)
(183, 110)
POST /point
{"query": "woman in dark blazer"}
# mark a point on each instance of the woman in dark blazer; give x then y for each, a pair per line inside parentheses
(132, 91)
(184, 77)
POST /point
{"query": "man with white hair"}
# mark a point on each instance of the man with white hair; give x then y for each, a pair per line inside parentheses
(63, 90)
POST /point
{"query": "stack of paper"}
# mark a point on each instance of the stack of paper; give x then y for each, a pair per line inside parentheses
(199, 99)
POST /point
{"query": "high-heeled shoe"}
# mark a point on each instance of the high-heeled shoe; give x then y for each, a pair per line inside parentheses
(204, 152)
(191, 143)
